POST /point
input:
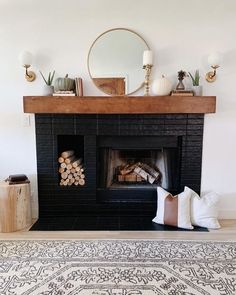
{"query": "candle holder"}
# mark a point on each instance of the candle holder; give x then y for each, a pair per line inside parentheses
(148, 69)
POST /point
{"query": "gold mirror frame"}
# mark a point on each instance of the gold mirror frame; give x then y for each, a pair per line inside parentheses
(110, 80)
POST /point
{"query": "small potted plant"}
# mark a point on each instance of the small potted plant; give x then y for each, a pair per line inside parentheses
(197, 89)
(48, 88)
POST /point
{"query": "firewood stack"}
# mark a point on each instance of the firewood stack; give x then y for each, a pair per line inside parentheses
(71, 169)
(137, 172)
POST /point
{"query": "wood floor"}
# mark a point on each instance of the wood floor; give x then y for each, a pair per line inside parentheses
(226, 233)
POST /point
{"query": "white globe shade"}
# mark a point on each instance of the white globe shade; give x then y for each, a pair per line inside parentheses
(214, 59)
(25, 58)
(161, 86)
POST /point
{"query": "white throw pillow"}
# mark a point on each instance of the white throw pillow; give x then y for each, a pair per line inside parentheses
(173, 210)
(204, 209)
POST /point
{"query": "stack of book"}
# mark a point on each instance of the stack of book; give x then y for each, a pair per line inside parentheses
(64, 93)
(182, 93)
(79, 87)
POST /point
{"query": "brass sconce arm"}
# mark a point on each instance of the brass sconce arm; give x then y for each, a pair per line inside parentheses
(211, 76)
(214, 61)
(29, 75)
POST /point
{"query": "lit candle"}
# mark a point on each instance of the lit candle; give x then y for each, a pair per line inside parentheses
(147, 57)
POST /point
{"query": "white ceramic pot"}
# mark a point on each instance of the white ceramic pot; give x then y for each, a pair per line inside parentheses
(48, 90)
(197, 90)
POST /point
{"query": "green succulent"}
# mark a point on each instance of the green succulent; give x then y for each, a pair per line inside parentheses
(195, 78)
(49, 79)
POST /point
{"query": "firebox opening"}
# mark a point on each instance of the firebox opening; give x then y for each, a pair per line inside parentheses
(139, 168)
(139, 163)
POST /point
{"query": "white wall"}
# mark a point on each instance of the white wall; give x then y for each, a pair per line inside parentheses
(59, 33)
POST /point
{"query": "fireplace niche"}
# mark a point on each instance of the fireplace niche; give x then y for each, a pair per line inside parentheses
(131, 167)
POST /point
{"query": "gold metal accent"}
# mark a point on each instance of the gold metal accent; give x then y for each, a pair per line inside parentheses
(29, 75)
(211, 76)
(148, 69)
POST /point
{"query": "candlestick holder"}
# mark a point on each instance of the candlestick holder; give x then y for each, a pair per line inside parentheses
(147, 69)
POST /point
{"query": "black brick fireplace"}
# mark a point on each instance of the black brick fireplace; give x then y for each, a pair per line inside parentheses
(177, 135)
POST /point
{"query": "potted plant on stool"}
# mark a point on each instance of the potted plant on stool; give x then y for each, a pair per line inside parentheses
(48, 88)
(197, 89)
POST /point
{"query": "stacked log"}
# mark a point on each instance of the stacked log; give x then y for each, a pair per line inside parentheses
(137, 172)
(71, 169)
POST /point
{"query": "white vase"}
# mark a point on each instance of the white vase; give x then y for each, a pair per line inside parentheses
(48, 90)
(197, 90)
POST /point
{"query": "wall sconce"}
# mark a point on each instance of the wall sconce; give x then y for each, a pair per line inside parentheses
(147, 66)
(25, 59)
(213, 61)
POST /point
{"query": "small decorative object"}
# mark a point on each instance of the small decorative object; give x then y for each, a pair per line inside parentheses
(25, 59)
(197, 89)
(161, 86)
(147, 66)
(65, 84)
(17, 179)
(213, 61)
(181, 76)
(48, 88)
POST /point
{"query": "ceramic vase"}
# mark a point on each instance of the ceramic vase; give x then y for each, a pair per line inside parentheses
(48, 90)
(197, 90)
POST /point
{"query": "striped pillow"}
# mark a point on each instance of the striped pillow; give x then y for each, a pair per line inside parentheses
(173, 210)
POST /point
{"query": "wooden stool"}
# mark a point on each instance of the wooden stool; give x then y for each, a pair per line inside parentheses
(15, 207)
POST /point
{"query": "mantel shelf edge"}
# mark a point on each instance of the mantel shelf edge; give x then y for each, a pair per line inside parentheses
(119, 104)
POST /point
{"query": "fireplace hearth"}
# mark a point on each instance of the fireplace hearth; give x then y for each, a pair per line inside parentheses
(169, 145)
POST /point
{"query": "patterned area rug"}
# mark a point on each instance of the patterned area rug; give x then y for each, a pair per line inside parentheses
(117, 267)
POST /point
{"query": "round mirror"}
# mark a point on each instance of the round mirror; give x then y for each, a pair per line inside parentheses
(115, 61)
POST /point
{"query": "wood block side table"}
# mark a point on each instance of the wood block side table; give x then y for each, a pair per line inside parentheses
(15, 207)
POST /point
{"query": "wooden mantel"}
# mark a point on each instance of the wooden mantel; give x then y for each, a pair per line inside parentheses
(119, 104)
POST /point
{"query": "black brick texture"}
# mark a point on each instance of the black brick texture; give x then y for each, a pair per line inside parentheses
(55, 200)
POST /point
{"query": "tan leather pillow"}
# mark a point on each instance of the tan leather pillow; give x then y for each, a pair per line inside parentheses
(173, 210)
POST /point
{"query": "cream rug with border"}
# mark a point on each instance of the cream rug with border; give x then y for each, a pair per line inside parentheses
(117, 267)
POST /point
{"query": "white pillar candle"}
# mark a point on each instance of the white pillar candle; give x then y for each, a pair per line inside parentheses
(147, 57)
